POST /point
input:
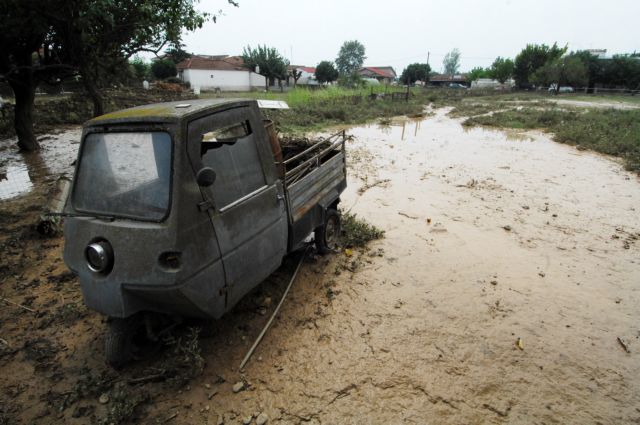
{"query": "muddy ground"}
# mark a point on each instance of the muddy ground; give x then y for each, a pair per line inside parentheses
(505, 291)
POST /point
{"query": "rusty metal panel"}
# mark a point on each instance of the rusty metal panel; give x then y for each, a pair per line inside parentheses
(308, 191)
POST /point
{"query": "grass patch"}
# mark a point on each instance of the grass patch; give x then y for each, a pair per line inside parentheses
(316, 110)
(633, 100)
(608, 131)
(356, 232)
(469, 109)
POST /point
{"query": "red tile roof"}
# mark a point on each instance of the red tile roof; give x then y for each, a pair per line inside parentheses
(309, 69)
(382, 71)
(231, 63)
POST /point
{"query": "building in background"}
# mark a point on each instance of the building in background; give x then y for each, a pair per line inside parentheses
(384, 74)
(446, 80)
(307, 76)
(219, 73)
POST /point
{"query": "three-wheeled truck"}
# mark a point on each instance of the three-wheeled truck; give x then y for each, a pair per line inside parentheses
(183, 208)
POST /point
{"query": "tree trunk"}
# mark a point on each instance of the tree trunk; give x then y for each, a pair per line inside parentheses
(89, 81)
(24, 89)
(94, 94)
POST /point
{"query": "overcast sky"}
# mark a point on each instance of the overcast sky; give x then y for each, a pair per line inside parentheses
(400, 32)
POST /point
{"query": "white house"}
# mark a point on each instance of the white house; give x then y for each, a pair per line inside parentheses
(307, 75)
(224, 73)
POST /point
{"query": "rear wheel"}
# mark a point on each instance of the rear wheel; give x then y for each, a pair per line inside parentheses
(327, 236)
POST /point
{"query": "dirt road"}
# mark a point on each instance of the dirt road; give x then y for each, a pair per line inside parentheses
(509, 270)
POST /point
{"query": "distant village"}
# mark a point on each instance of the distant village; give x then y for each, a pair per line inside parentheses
(229, 73)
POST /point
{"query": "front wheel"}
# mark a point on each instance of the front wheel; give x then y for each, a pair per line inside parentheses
(327, 236)
(119, 340)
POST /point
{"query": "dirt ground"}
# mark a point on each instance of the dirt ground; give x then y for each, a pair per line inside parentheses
(505, 291)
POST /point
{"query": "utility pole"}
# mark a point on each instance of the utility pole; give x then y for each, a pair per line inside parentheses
(428, 53)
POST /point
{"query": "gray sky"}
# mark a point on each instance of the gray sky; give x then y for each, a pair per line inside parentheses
(400, 32)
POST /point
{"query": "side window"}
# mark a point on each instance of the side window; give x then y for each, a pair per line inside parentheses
(231, 151)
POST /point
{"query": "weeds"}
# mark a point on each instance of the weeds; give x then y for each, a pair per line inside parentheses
(184, 362)
(609, 131)
(357, 232)
(125, 404)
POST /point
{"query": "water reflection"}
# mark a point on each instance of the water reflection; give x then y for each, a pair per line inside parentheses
(14, 181)
(387, 127)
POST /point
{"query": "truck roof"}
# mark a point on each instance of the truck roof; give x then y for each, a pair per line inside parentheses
(165, 112)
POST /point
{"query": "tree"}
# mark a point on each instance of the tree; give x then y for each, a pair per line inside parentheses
(272, 64)
(163, 68)
(622, 70)
(326, 72)
(141, 69)
(350, 57)
(502, 69)
(533, 57)
(30, 54)
(55, 39)
(102, 35)
(176, 54)
(451, 62)
(569, 70)
(479, 72)
(415, 72)
(295, 74)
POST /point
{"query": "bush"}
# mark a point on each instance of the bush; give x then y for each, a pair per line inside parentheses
(163, 68)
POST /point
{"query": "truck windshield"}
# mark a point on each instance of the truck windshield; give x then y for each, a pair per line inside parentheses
(125, 174)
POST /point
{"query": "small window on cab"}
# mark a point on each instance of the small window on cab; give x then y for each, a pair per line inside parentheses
(232, 153)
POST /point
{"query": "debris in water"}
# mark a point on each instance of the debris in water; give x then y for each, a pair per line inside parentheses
(413, 217)
(520, 344)
(507, 228)
(238, 386)
(624, 345)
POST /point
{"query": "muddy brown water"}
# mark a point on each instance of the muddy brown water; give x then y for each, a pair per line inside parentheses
(491, 238)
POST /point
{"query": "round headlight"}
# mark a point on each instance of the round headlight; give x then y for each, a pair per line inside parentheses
(99, 256)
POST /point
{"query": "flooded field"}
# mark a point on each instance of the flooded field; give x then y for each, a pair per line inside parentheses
(506, 290)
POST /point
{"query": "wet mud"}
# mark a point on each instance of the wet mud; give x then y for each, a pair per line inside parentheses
(505, 291)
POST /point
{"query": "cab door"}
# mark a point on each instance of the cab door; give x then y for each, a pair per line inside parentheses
(246, 200)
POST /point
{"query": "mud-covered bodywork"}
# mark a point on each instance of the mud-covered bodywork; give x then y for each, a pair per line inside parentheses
(175, 246)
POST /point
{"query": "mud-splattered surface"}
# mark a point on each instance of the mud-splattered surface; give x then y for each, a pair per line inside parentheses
(509, 270)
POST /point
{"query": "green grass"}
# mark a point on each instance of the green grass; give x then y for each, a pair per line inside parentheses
(356, 232)
(633, 100)
(314, 110)
(609, 131)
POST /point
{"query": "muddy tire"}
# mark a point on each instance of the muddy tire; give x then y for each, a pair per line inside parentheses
(327, 236)
(118, 340)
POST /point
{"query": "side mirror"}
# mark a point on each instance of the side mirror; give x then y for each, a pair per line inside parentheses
(206, 176)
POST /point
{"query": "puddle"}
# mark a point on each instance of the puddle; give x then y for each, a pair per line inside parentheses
(20, 173)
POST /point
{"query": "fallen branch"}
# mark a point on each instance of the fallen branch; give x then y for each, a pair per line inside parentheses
(407, 215)
(145, 378)
(18, 305)
(366, 187)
